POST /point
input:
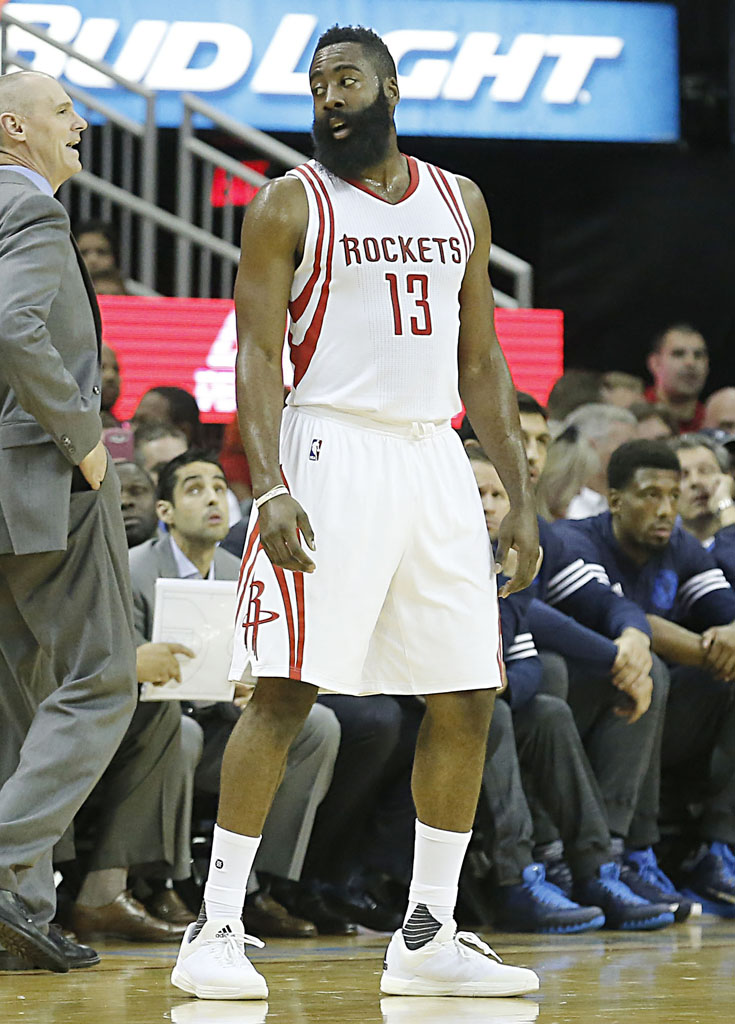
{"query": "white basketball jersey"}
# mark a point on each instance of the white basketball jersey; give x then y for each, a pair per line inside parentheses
(374, 311)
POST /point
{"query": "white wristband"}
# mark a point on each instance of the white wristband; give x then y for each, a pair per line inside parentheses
(274, 492)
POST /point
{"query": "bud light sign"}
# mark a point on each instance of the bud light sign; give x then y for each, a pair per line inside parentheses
(526, 69)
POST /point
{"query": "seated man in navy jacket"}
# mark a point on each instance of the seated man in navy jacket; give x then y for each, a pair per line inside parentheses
(691, 610)
(619, 748)
(534, 733)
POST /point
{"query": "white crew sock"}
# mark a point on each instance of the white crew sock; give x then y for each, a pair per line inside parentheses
(229, 868)
(437, 862)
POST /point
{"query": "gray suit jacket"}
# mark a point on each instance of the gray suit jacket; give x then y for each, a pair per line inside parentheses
(154, 559)
(50, 335)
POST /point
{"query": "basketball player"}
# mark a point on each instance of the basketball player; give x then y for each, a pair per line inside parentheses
(379, 261)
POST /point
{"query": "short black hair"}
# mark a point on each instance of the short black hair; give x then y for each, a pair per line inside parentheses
(639, 454)
(98, 227)
(183, 407)
(658, 342)
(528, 404)
(167, 475)
(370, 41)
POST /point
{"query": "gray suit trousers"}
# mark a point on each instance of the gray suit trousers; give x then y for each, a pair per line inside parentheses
(139, 814)
(67, 685)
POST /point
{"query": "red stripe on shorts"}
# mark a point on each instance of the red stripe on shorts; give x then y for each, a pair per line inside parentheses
(281, 577)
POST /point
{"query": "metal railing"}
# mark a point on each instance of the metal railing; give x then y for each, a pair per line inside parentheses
(206, 226)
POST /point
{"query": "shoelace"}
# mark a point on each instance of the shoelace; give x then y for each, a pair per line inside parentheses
(654, 876)
(470, 943)
(230, 951)
(621, 891)
(549, 894)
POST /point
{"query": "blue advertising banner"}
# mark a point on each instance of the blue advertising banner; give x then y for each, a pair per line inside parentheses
(522, 69)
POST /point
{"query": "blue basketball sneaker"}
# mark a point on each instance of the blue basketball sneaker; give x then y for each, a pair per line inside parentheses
(623, 909)
(535, 905)
(641, 873)
(711, 880)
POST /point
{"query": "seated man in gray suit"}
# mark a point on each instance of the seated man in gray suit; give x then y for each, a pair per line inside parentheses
(138, 820)
(67, 664)
(192, 493)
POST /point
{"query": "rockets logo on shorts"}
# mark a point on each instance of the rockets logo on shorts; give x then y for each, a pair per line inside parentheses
(316, 447)
(255, 616)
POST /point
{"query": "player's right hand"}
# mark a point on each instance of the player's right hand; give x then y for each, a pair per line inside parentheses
(157, 663)
(94, 466)
(281, 520)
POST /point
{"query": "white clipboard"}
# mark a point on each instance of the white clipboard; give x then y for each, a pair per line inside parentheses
(200, 615)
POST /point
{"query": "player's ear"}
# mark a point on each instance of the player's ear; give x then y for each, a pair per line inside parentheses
(613, 499)
(391, 91)
(165, 512)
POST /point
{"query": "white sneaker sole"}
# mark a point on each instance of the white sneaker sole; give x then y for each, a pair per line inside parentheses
(391, 986)
(256, 989)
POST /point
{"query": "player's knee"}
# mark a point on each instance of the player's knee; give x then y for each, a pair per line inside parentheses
(282, 704)
(468, 712)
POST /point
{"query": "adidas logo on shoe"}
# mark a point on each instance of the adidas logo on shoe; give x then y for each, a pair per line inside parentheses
(224, 933)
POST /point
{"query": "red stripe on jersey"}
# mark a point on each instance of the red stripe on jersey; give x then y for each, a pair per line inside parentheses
(281, 577)
(450, 207)
(298, 306)
(413, 184)
(301, 355)
(460, 212)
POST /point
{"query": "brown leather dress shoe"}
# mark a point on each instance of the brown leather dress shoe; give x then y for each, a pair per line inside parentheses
(124, 918)
(167, 905)
(264, 916)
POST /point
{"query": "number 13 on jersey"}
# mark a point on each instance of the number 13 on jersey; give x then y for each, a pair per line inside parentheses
(415, 302)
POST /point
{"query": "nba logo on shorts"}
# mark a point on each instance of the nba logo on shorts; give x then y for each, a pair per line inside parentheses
(316, 447)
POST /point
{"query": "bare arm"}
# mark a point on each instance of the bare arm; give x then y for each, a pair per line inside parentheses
(272, 236)
(489, 396)
(675, 643)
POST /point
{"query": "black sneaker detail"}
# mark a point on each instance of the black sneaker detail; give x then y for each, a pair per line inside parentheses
(224, 932)
(200, 922)
(420, 928)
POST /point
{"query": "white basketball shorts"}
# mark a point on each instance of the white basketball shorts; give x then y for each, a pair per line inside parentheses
(403, 600)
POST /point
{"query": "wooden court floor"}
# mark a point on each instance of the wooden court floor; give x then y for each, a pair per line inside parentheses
(683, 974)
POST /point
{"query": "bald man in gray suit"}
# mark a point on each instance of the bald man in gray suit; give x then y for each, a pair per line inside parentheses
(67, 659)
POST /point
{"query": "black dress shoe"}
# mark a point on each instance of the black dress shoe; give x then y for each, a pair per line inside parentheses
(76, 955)
(20, 936)
(360, 906)
(307, 902)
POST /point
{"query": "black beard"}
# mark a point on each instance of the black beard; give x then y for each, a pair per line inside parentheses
(365, 146)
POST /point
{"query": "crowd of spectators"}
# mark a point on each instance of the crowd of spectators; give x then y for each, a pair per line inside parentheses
(609, 787)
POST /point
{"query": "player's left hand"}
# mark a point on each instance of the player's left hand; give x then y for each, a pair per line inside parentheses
(519, 530)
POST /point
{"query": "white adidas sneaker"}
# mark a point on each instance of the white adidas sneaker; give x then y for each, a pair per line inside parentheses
(435, 1010)
(212, 963)
(452, 964)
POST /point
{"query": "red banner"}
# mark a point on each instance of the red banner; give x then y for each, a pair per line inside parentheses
(191, 343)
